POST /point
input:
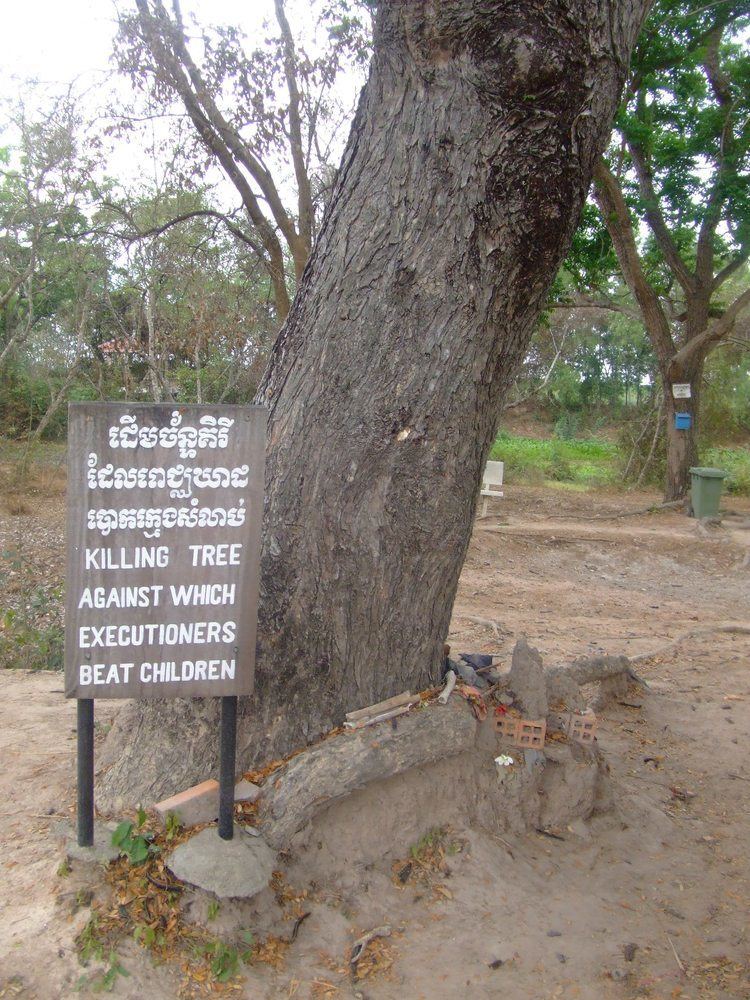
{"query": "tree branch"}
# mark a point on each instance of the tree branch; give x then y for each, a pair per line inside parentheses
(304, 193)
(606, 304)
(656, 221)
(728, 270)
(722, 89)
(609, 198)
(208, 213)
(699, 346)
(260, 174)
(154, 27)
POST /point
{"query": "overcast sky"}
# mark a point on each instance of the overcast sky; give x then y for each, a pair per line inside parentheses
(57, 41)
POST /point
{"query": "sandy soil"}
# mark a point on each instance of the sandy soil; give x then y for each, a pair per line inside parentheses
(665, 870)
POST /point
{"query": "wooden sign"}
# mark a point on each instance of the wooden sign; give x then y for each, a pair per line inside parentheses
(681, 390)
(165, 505)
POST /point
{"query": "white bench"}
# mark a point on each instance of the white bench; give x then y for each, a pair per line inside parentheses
(492, 478)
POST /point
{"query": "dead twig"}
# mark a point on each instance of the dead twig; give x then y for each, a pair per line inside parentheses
(166, 886)
(548, 833)
(361, 943)
(729, 629)
(298, 923)
(677, 957)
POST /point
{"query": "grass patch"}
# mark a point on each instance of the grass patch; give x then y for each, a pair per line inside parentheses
(734, 461)
(584, 463)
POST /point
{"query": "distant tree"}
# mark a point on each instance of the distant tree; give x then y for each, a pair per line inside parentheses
(260, 115)
(50, 263)
(673, 193)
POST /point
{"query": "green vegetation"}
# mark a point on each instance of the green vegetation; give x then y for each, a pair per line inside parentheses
(134, 842)
(91, 947)
(735, 461)
(589, 462)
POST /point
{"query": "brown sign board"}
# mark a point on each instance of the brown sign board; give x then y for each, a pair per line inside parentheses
(165, 504)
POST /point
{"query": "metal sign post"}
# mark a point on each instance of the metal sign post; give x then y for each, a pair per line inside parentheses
(85, 772)
(165, 505)
(228, 751)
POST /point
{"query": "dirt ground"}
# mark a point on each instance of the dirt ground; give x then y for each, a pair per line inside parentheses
(648, 899)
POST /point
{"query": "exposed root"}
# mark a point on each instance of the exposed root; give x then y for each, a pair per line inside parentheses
(729, 629)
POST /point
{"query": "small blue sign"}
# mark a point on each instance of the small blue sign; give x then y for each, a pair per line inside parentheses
(683, 421)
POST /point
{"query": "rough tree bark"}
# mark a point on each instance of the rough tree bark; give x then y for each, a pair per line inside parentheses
(464, 176)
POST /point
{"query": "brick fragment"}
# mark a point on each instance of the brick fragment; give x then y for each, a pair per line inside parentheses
(529, 734)
(582, 727)
(199, 804)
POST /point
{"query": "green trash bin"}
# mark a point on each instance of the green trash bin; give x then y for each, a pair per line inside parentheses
(705, 491)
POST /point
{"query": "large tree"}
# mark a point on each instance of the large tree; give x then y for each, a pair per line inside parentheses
(461, 185)
(673, 193)
(284, 113)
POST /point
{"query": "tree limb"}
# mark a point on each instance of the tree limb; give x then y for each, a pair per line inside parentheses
(729, 269)
(656, 221)
(699, 346)
(581, 303)
(722, 89)
(230, 136)
(609, 198)
(154, 28)
(304, 193)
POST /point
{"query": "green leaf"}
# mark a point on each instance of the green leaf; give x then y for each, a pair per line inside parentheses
(122, 833)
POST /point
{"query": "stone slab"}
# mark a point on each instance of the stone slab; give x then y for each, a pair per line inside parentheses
(102, 851)
(246, 791)
(231, 869)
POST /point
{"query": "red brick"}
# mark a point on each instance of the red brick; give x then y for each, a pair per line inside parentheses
(526, 733)
(582, 727)
(199, 804)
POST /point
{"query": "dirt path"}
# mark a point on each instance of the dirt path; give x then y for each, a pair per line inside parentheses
(665, 870)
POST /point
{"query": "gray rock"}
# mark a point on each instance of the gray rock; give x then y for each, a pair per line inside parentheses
(102, 850)
(231, 869)
(468, 674)
(527, 681)
(246, 791)
(533, 759)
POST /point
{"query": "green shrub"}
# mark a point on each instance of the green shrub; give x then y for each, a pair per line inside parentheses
(589, 462)
(734, 461)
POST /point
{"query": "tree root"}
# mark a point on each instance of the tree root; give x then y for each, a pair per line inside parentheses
(335, 768)
(729, 629)
(339, 766)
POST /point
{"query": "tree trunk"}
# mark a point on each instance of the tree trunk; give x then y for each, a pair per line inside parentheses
(682, 448)
(463, 180)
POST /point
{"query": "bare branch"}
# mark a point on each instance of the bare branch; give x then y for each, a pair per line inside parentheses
(304, 194)
(609, 198)
(215, 134)
(699, 346)
(606, 304)
(656, 221)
